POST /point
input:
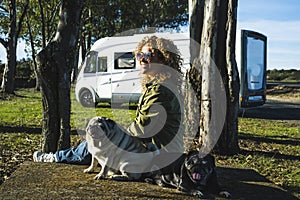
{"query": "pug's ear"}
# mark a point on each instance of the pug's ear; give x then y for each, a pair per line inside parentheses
(87, 120)
(193, 152)
(211, 159)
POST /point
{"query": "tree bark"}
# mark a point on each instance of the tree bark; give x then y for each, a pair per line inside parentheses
(55, 65)
(43, 23)
(37, 80)
(207, 58)
(196, 10)
(214, 74)
(228, 142)
(193, 76)
(8, 80)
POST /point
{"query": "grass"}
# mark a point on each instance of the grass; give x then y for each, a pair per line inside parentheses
(267, 146)
(272, 149)
(24, 110)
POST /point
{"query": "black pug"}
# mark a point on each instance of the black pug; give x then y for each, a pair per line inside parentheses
(189, 173)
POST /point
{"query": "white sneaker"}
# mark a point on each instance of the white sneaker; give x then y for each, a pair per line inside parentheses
(43, 157)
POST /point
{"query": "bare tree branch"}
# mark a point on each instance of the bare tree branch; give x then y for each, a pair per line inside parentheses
(19, 27)
(3, 42)
(4, 9)
(43, 24)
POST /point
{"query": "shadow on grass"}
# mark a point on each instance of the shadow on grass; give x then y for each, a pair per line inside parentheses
(30, 130)
(282, 140)
(275, 155)
(270, 154)
(20, 129)
(248, 184)
(117, 106)
(4, 96)
(273, 111)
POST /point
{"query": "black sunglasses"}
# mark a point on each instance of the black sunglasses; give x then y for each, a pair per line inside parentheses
(141, 55)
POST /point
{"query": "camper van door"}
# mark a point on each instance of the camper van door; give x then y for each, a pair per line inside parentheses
(103, 89)
(126, 85)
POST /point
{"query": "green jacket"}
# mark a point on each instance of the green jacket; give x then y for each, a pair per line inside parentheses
(159, 117)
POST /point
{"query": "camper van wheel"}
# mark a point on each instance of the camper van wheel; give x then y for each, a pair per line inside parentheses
(86, 99)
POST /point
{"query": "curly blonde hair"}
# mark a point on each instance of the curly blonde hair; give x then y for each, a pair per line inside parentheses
(168, 53)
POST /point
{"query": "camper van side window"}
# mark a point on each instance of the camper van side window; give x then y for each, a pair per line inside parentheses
(102, 64)
(91, 62)
(124, 60)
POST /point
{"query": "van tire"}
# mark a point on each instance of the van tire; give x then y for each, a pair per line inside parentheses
(86, 99)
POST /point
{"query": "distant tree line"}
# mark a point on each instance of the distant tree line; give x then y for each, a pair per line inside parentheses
(35, 21)
(25, 71)
(283, 75)
(24, 76)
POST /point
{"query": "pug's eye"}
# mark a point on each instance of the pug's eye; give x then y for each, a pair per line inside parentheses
(92, 129)
(189, 163)
(195, 160)
(101, 125)
(204, 162)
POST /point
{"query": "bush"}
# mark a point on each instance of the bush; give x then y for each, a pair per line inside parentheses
(24, 76)
(24, 69)
(283, 75)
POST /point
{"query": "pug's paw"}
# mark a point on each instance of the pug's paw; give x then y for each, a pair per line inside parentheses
(225, 194)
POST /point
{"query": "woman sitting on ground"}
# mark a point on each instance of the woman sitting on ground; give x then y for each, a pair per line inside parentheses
(159, 114)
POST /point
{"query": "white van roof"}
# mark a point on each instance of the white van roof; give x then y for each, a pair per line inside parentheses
(131, 41)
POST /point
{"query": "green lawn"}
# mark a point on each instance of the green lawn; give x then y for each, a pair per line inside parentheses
(272, 149)
(267, 146)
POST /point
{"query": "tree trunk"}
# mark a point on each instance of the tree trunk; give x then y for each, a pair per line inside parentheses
(15, 26)
(75, 67)
(43, 23)
(196, 10)
(207, 56)
(8, 80)
(215, 74)
(55, 65)
(193, 76)
(37, 80)
(76, 61)
(228, 142)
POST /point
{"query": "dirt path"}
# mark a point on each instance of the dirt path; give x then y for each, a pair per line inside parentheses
(61, 181)
(283, 103)
(275, 109)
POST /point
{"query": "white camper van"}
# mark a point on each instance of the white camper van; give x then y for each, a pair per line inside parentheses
(110, 72)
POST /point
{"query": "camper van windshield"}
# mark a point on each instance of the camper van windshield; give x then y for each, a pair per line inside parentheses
(124, 60)
(255, 63)
(91, 62)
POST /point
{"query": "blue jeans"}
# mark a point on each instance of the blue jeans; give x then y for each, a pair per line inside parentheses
(74, 155)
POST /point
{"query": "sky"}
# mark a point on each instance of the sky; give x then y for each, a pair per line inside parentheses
(279, 20)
